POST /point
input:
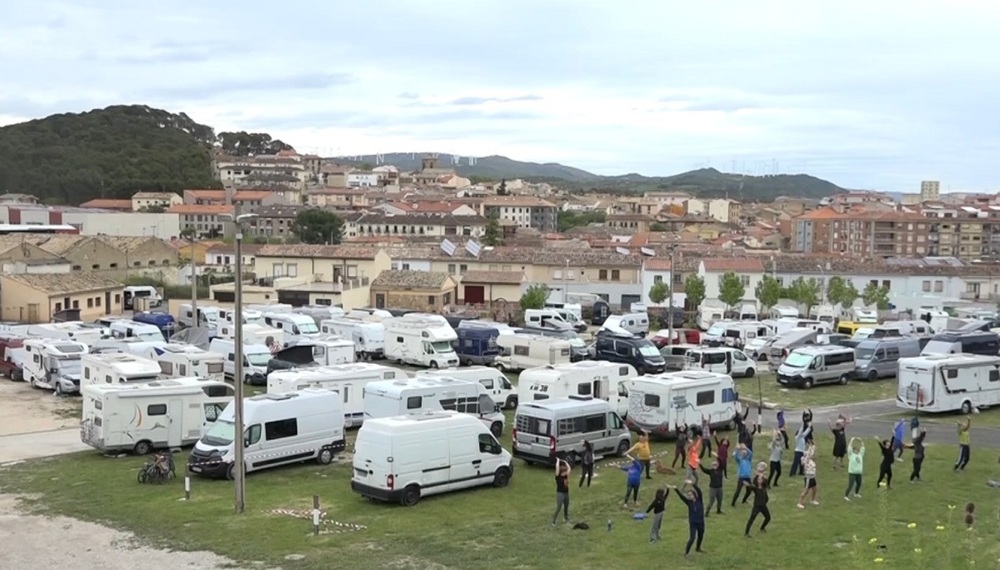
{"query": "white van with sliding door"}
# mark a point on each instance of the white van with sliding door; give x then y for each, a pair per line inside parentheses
(497, 385)
(403, 458)
(544, 430)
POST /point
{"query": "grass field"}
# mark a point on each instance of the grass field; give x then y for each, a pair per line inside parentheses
(510, 527)
(987, 417)
(816, 397)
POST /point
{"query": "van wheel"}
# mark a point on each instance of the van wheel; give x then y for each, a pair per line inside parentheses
(872, 375)
(623, 447)
(325, 456)
(641, 371)
(966, 407)
(496, 429)
(434, 364)
(410, 497)
(808, 383)
(469, 362)
(750, 373)
(511, 402)
(501, 478)
(231, 472)
(843, 379)
(58, 389)
(142, 448)
(17, 375)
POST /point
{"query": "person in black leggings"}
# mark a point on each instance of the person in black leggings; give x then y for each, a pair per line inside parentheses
(760, 498)
(696, 516)
(886, 446)
(587, 463)
(918, 454)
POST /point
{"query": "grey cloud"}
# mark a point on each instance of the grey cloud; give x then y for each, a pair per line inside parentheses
(466, 101)
(355, 120)
(250, 84)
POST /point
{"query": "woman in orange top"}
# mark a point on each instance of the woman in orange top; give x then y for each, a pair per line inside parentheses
(694, 455)
(641, 452)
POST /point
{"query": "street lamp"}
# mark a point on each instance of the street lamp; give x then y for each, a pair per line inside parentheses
(822, 292)
(670, 297)
(239, 473)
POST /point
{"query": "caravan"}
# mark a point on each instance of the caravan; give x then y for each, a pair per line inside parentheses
(421, 339)
(660, 403)
(368, 337)
(117, 368)
(604, 380)
(390, 398)
(280, 429)
(948, 383)
(521, 351)
(497, 385)
(53, 364)
(294, 325)
(349, 380)
(142, 417)
(182, 360)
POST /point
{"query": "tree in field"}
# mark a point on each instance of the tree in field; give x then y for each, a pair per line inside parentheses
(804, 292)
(848, 295)
(731, 289)
(835, 289)
(534, 297)
(768, 292)
(494, 233)
(659, 292)
(316, 226)
(876, 295)
(694, 289)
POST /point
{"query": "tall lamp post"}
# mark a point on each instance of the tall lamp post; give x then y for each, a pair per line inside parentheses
(239, 472)
(670, 298)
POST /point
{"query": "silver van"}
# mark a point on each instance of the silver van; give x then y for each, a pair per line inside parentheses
(546, 429)
(879, 357)
(811, 365)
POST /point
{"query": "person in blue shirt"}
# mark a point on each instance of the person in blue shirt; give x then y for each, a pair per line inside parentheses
(634, 478)
(898, 434)
(781, 426)
(744, 470)
(696, 515)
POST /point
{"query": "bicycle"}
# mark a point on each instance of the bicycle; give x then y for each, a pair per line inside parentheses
(159, 470)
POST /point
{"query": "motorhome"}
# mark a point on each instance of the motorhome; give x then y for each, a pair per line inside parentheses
(371, 314)
(624, 348)
(404, 458)
(77, 331)
(368, 336)
(164, 322)
(604, 380)
(901, 328)
(708, 313)
(724, 360)
(53, 364)
(133, 329)
(864, 316)
(521, 351)
(578, 348)
(948, 383)
(748, 312)
(661, 403)
(547, 429)
(783, 325)
(540, 318)
(208, 317)
(675, 355)
(572, 313)
(388, 398)
(320, 313)
(142, 417)
(636, 324)
(255, 360)
(757, 348)
(477, 341)
(12, 356)
(140, 298)
(575, 309)
(715, 335)
(421, 339)
(736, 334)
(782, 312)
(497, 385)
(294, 325)
(136, 346)
(879, 358)
(349, 380)
(254, 334)
(269, 308)
(983, 343)
(117, 368)
(280, 429)
(825, 313)
(810, 366)
(681, 336)
(250, 317)
(182, 360)
(782, 344)
(292, 358)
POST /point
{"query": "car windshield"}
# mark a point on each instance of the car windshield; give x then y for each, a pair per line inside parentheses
(68, 365)
(221, 433)
(308, 328)
(259, 358)
(149, 335)
(716, 330)
(442, 347)
(576, 342)
(798, 360)
(864, 353)
(648, 350)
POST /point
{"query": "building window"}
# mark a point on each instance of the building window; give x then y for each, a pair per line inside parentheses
(602, 274)
(97, 301)
(926, 286)
(430, 300)
(118, 298)
(939, 286)
(657, 279)
(114, 266)
(745, 280)
(58, 307)
(95, 266)
(463, 268)
(616, 275)
(292, 270)
(90, 303)
(451, 269)
(76, 268)
(76, 304)
(277, 270)
(406, 266)
(885, 284)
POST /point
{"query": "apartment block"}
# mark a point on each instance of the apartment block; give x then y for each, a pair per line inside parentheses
(861, 232)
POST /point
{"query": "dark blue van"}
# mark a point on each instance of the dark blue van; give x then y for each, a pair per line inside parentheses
(163, 321)
(477, 342)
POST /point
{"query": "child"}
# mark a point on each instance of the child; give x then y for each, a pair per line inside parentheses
(855, 467)
(888, 448)
(723, 454)
(714, 486)
(694, 455)
(809, 469)
(680, 445)
(696, 516)
(777, 449)
(760, 498)
(744, 467)
(634, 471)
(657, 506)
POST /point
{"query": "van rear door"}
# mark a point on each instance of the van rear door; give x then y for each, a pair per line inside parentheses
(373, 459)
(534, 435)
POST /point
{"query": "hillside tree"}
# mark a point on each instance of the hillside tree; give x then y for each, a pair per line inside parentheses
(768, 292)
(535, 296)
(694, 289)
(659, 292)
(731, 289)
(318, 226)
(876, 295)
(494, 233)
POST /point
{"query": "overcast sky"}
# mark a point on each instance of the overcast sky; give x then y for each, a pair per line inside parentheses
(868, 94)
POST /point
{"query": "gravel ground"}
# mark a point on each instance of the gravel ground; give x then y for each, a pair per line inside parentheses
(32, 541)
(26, 410)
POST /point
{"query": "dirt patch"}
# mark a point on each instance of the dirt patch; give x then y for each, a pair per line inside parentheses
(27, 410)
(33, 541)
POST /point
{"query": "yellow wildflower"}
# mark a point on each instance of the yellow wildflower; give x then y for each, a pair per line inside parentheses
(879, 560)
(911, 525)
(939, 527)
(873, 540)
(917, 550)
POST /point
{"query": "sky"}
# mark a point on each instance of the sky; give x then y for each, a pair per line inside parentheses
(867, 94)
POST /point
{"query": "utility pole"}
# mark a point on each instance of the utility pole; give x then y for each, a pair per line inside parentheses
(240, 472)
(194, 284)
(670, 297)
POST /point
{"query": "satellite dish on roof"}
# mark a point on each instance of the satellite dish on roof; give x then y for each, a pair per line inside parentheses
(647, 251)
(473, 248)
(448, 247)
(621, 250)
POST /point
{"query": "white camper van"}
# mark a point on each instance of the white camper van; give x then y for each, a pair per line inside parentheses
(320, 313)
(181, 360)
(368, 336)
(385, 399)
(521, 351)
(255, 359)
(542, 318)
(139, 417)
(422, 340)
(130, 329)
(80, 332)
(634, 323)
(603, 380)
(330, 350)
(117, 368)
(53, 364)
(349, 380)
(250, 317)
(547, 429)
(948, 382)
(708, 313)
(280, 429)
(294, 325)
(208, 316)
(405, 458)
(497, 385)
(659, 403)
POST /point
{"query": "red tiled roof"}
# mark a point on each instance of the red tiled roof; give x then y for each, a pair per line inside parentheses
(657, 264)
(108, 204)
(200, 209)
(737, 264)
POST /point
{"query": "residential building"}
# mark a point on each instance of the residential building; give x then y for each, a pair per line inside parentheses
(244, 198)
(659, 269)
(426, 291)
(262, 170)
(430, 171)
(630, 223)
(930, 190)
(488, 287)
(37, 298)
(94, 222)
(108, 204)
(12, 199)
(861, 232)
(34, 266)
(522, 212)
(274, 221)
(222, 257)
(428, 207)
(721, 209)
(415, 225)
(749, 269)
(145, 251)
(204, 221)
(362, 179)
(145, 200)
(337, 198)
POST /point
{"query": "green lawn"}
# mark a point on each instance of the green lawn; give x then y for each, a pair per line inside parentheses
(988, 417)
(816, 397)
(509, 528)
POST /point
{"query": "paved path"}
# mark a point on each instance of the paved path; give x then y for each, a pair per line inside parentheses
(23, 446)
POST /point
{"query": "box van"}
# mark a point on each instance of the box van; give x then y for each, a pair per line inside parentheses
(140, 294)
(731, 361)
(878, 358)
(603, 380)
(180, 360)
(983, 343)
(578, 348)
(541, 318)
(658, 403)
(405, 458)
(208, 317)
(421, 339)
(901, 328)
(280, 429)
(53, 364)
(681, 336)
(255, 359)
(142, 417)
(811, 365)
(293, 324)
(12, 356)
(521, 351)
(348, 380)
(635, 323)
(626, 349)
(117, 368)
(497, 385)
(548, 429)
(948, 382)
(368, 336)
(675, 355)
(431, 394)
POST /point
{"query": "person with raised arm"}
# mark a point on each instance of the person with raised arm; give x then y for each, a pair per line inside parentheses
(692, 498)
(562, 490)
